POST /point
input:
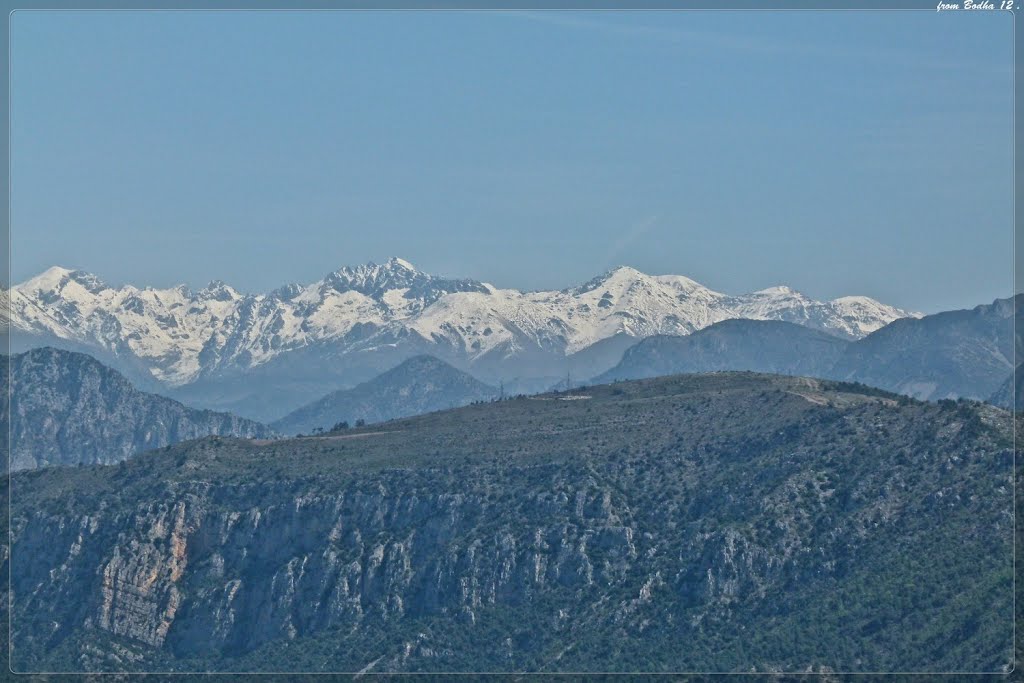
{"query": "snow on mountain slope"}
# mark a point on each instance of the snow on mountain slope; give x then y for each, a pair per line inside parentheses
(850, 317)
(183, 336)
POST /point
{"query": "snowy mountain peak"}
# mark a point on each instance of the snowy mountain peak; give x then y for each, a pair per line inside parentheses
(219, 291)
(397, 262)
(181, 336)
(396, 278)
(48, 279)
(620, 274)
(57, 277)
(286, 292)
(778, 290)
(856, 300)
(88, 280)
(624, 274)
(372, 279)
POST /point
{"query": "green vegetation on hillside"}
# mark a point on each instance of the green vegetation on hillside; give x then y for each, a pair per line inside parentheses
(722, 522)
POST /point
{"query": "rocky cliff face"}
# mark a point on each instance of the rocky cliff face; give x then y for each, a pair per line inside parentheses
(760, 520)
(66, 408)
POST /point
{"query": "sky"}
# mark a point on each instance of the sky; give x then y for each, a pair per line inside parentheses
(839, 153)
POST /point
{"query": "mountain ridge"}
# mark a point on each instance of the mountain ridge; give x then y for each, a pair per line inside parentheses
(67, 408)
(419, 385)
(967, 353)
(300, 341)
(737, 344)
(774, 524)
(962, 353)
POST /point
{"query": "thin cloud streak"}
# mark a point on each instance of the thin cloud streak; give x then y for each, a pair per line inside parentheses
(760, 45)
(635, 232)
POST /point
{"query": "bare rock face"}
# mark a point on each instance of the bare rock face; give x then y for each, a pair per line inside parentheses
(591, 534)
(139, 593)
(316, 563)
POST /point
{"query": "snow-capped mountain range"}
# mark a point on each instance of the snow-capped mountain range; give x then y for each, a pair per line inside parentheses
(301, 341)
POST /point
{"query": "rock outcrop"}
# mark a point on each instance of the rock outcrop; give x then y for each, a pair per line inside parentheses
(761, 520)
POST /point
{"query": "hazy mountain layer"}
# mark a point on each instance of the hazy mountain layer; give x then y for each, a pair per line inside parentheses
(756, 345)
(67, 408)
(967, 353)
(954, 354)
(419, 385)
(264, 355)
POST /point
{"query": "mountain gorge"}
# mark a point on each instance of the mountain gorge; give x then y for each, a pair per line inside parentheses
(264, 355)
(769, 523)
(66, 408)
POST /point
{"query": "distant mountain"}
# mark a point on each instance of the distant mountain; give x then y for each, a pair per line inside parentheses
(67, 408)
(756, 345)
(966, 353)
(953, 354)
(1010, 394)
(263, 355)
(421, 384)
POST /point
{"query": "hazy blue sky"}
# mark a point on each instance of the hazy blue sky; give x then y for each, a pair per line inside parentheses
(837, 152)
